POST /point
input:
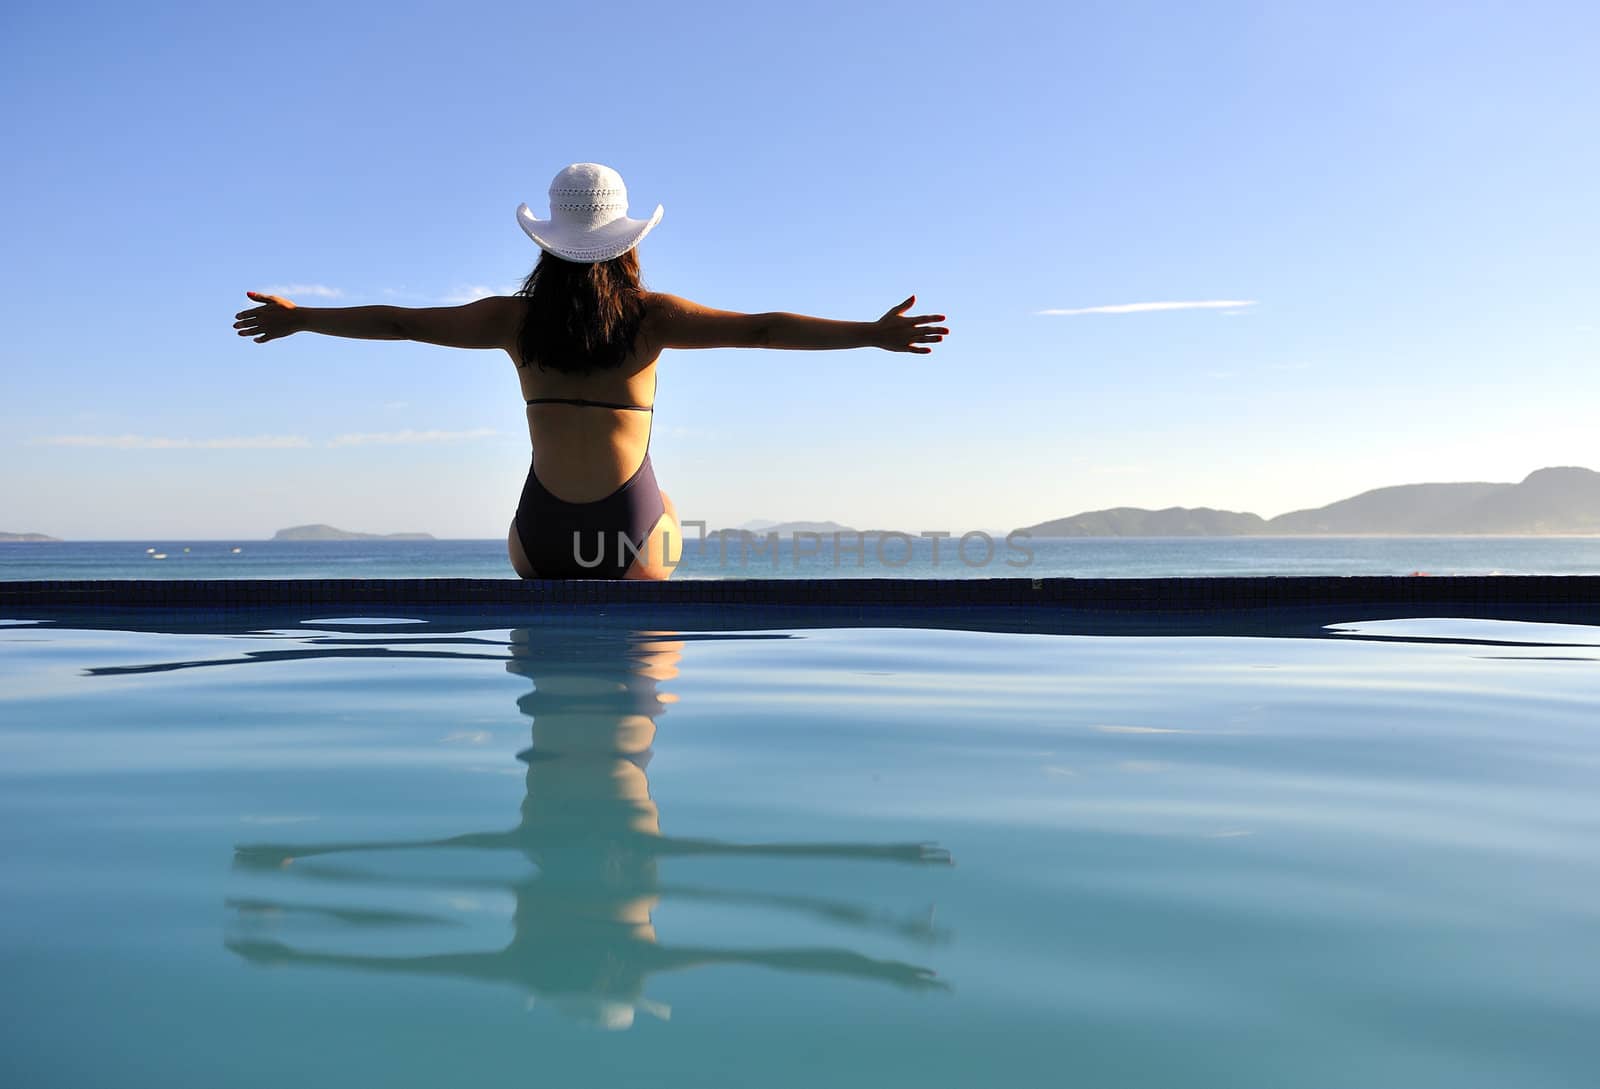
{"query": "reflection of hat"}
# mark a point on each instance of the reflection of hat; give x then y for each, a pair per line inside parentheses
(606, 1013)
(588, 216)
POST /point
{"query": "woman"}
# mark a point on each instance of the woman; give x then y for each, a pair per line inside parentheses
(585, 336)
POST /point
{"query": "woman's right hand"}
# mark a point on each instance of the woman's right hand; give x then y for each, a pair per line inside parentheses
(894, 332)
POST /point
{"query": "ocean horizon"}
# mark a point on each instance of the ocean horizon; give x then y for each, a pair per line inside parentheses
(1083, 557)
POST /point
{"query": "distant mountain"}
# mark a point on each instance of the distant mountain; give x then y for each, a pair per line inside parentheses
(1402, 508)
(1134, 522)
(27, 537)
(1561, 499)
(784, 529)
(328, 533)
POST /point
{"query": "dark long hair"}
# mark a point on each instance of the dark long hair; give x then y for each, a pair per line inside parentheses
(581, 318)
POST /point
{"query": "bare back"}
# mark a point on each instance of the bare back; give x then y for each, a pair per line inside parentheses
(585, 453)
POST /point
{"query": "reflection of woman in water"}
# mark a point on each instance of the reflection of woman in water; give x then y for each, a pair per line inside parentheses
(583, 936)
(585, 336)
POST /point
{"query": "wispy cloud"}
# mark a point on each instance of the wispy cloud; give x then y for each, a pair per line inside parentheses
(1096, 465)
(1235, 305)
(156, 442)
(1235, 372)
(395, 438)
(321, 291)
(463, 293)
(468, 293)
(1143, 766)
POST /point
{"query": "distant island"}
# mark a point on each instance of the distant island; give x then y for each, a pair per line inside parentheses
(329, 533)
(27, 537)
(1557, 500)
(782, 529)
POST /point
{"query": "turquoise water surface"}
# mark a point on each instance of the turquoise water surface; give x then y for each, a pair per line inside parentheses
(565, 852)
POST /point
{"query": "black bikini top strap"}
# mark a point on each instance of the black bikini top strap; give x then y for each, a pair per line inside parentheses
(594, 404)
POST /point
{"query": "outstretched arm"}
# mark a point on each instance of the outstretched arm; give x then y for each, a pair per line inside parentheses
(486, 323)
(679, 323)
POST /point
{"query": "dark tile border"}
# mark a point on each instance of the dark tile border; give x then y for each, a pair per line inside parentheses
(1270, 606)
(1131, 594)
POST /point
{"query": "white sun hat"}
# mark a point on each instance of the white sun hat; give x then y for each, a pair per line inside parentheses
(588, 216)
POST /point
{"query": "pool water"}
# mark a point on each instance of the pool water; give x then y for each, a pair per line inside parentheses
(402, 852)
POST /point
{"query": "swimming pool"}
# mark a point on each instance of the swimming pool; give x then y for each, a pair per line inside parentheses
(579, 847)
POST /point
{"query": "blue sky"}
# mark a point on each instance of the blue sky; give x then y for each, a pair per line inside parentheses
(1399, 200)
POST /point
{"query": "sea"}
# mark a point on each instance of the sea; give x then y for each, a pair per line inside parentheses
(890, 556)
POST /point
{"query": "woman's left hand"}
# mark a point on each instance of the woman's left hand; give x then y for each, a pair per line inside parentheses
(274, 318)
(897, 333)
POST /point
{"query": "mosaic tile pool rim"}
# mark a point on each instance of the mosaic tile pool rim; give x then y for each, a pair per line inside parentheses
(1222, 604)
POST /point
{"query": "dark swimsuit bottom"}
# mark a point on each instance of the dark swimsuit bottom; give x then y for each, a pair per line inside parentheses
(596, 540)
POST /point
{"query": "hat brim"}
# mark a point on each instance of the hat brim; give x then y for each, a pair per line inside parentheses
(586, 246)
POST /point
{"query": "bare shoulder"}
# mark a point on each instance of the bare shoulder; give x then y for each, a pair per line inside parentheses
(673, 321)
(662, 311)
(497, 317)
(661, 316)
(505, 313)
